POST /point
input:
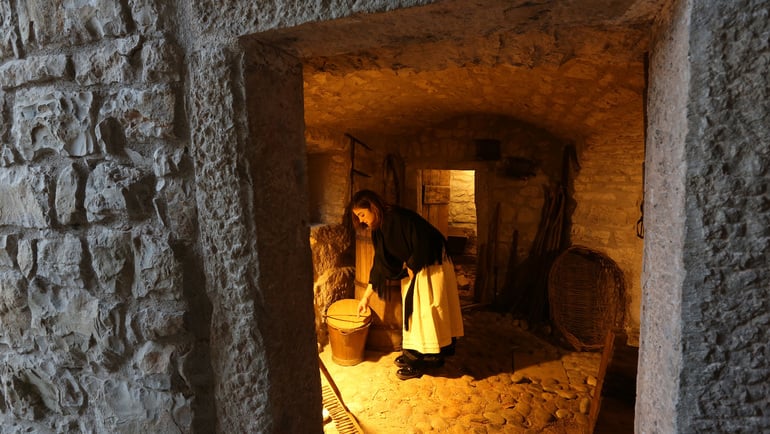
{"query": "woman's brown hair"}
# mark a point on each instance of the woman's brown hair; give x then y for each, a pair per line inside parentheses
(367, 199)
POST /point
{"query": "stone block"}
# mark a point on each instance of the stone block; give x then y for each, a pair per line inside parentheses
(170, 163)
(59, 261)
(154, 358)
(70, 395)
(24, 198)
(161, 61)
(58, 390)
(148, 15)
(46, 22)
(37, 69)
(21, 399)
(8, 249)
(68, 187)
(111, 348)
(329, 245)
(112, 260)
(108, 190)
(26, 257)
(176, 207)
(111, 137)
(62, 312)
(142, 409)
(46, 119)
(153, 323)
(109, 63)
(13, 294)
(157, 270)
(14, 316)
(7, 156)
(9, 36)
(143, 114)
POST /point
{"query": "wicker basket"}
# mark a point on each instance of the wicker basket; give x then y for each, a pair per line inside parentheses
(586, 296)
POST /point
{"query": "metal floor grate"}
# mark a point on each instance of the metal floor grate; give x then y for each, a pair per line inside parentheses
(343, 419)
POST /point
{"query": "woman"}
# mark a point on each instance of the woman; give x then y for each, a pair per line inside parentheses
(407, 247)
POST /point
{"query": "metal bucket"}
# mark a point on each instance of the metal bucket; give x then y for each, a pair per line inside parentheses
(347, 331)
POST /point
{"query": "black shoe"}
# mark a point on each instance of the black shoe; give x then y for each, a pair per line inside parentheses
(408, 372)
(432, 361)
(411, 358)
(402, 362)
(408, 358)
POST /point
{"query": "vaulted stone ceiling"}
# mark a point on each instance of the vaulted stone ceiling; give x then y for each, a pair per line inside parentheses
(573, 67)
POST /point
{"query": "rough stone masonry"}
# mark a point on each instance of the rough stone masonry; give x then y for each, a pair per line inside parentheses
(98, 223)
(154, 258)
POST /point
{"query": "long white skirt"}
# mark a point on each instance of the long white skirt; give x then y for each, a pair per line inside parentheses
(436, 316)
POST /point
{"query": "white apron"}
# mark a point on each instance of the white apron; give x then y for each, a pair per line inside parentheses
(436, 315)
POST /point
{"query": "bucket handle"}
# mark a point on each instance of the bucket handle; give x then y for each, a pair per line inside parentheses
(346, 332)
(342, 317)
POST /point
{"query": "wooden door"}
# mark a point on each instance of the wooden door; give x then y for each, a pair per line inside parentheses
(434, 196)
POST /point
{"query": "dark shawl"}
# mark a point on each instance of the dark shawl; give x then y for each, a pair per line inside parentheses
(403, 237)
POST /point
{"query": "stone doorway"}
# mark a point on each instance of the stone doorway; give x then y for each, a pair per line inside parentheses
(174, 76)
(509, 181)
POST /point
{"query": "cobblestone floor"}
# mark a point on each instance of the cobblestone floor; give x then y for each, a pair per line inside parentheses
(503, 379)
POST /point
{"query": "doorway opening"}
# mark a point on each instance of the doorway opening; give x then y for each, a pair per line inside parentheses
(448, 201)
(353, 93)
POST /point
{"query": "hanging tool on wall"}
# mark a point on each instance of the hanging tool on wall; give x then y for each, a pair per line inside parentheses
(353, 171)
(645, 94)
(392, 175)
(640, 222)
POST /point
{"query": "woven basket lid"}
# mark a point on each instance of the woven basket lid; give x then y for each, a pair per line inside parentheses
(343, 315)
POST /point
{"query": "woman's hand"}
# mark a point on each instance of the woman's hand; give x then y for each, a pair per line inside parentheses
(363, 306)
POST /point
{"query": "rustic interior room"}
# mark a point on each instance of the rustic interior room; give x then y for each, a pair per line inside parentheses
(173, 178)
(516, 156)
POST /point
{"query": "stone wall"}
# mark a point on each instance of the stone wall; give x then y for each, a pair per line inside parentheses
(705, 312)
(153, 198)
(100, 271)
(607, 189)
(608, 196)
(119, 168)
(452, 145)
(333, 271)
(462, 206)
(328, 175)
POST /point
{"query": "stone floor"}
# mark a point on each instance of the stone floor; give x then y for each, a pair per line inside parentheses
(503, 379)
